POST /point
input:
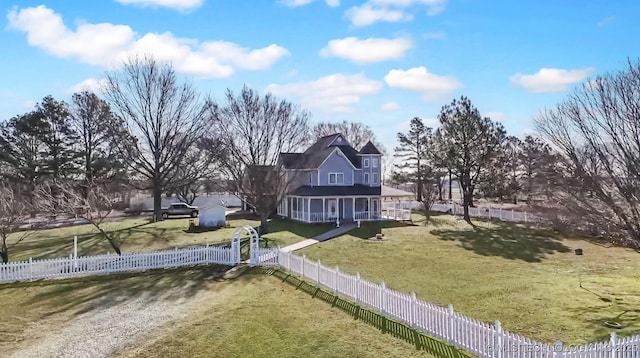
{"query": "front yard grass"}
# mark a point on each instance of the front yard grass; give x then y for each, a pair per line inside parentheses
(242, 314)
(527, 278)
(138, 234)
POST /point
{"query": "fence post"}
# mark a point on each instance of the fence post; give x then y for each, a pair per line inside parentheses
(497, 341)
(414, 318)
(318, 273)
(383, 299)
(613, 342)
(358, 287)
(335, 280)
(304, 260)
(289, 260)
(525, 216)
(500, 213)
(30, 269)
(451, 320)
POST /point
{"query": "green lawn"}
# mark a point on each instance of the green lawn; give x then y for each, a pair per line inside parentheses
(241, 314)
(527, 278)
(137, 234)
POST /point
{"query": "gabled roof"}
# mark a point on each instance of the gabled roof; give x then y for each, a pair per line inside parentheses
(318, 152)
(369, 148)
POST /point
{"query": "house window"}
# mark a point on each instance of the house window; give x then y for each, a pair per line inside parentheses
(374, 163)
(336, 178)
(375, 178)
(366, 162)
(310, 179)
(366, 178)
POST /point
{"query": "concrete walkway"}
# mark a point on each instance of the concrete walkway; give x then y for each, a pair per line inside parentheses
(322, 237)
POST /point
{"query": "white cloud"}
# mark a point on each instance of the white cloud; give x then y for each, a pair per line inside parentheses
(390, 106)
(333, 93)
(29, 104)
(107, 45)
(390, 10)
(366, 14)
(183, 5)
(419, 79)
(296, 3)
(90, 85)
(495, 116)
(438, 35)
(606, 21)
(434, 7)
(550, 79)
(368, 50)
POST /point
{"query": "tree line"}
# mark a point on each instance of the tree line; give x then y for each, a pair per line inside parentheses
(152, 131)
(583, 167)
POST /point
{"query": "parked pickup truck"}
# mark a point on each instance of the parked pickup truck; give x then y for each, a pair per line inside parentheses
(180, 209)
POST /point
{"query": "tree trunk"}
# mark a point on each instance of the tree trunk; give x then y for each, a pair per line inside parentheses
(450, 186)
(440, 187)
(157, 203)
(419, 188)
(515, 199)
(264, 227)
(466, 202)
(472, 188)
(4, 253)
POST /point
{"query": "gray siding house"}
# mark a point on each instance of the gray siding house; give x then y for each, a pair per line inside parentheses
(332, 181)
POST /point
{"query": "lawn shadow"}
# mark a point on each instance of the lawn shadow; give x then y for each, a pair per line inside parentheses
(368, 230)
(39, 245)
(86, 294)
(385, 324)
(506, 240)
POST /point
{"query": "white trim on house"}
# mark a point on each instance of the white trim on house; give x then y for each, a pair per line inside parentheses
(311, 178)
(365, 162)
(375, 178)
(374, 162)
(336, 176)
(365, 178)
(344, 140)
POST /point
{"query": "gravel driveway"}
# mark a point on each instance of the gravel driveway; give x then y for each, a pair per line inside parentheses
(103, 331)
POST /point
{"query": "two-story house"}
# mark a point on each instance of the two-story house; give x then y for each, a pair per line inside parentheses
(332, 181)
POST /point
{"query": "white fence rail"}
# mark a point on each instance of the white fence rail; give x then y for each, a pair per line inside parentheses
(480, 338)
(106, 264)
(487, 213)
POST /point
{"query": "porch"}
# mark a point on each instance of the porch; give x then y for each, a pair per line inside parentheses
(331, 209)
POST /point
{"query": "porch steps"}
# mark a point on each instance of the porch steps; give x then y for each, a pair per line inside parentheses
(343, 229)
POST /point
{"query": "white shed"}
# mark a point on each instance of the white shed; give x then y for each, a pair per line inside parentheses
(212, 216)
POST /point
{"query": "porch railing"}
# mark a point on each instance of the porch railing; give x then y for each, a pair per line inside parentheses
(322, 217)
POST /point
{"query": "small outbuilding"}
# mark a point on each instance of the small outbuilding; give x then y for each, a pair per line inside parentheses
(212, 216)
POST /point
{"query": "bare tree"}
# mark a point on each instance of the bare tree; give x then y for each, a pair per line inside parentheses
(163, 119)
(430, 193)
(13, 210)
(97, 127)
(255, 130)
(199, 164)
(92, 203)
(356, 133)
(600, 120)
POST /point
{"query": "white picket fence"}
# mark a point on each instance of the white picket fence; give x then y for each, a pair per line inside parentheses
(480, 338)
(106, 264)
(488, 213)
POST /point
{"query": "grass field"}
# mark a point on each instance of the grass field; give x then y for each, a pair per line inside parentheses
(528, 278)
(246, 315)
(137, 234)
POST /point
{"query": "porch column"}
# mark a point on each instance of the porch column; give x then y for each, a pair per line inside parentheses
(323, 210)
(308, 209)
(353, 212)
(369, 206)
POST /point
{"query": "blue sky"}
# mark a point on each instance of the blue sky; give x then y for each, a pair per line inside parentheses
(380, 62)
